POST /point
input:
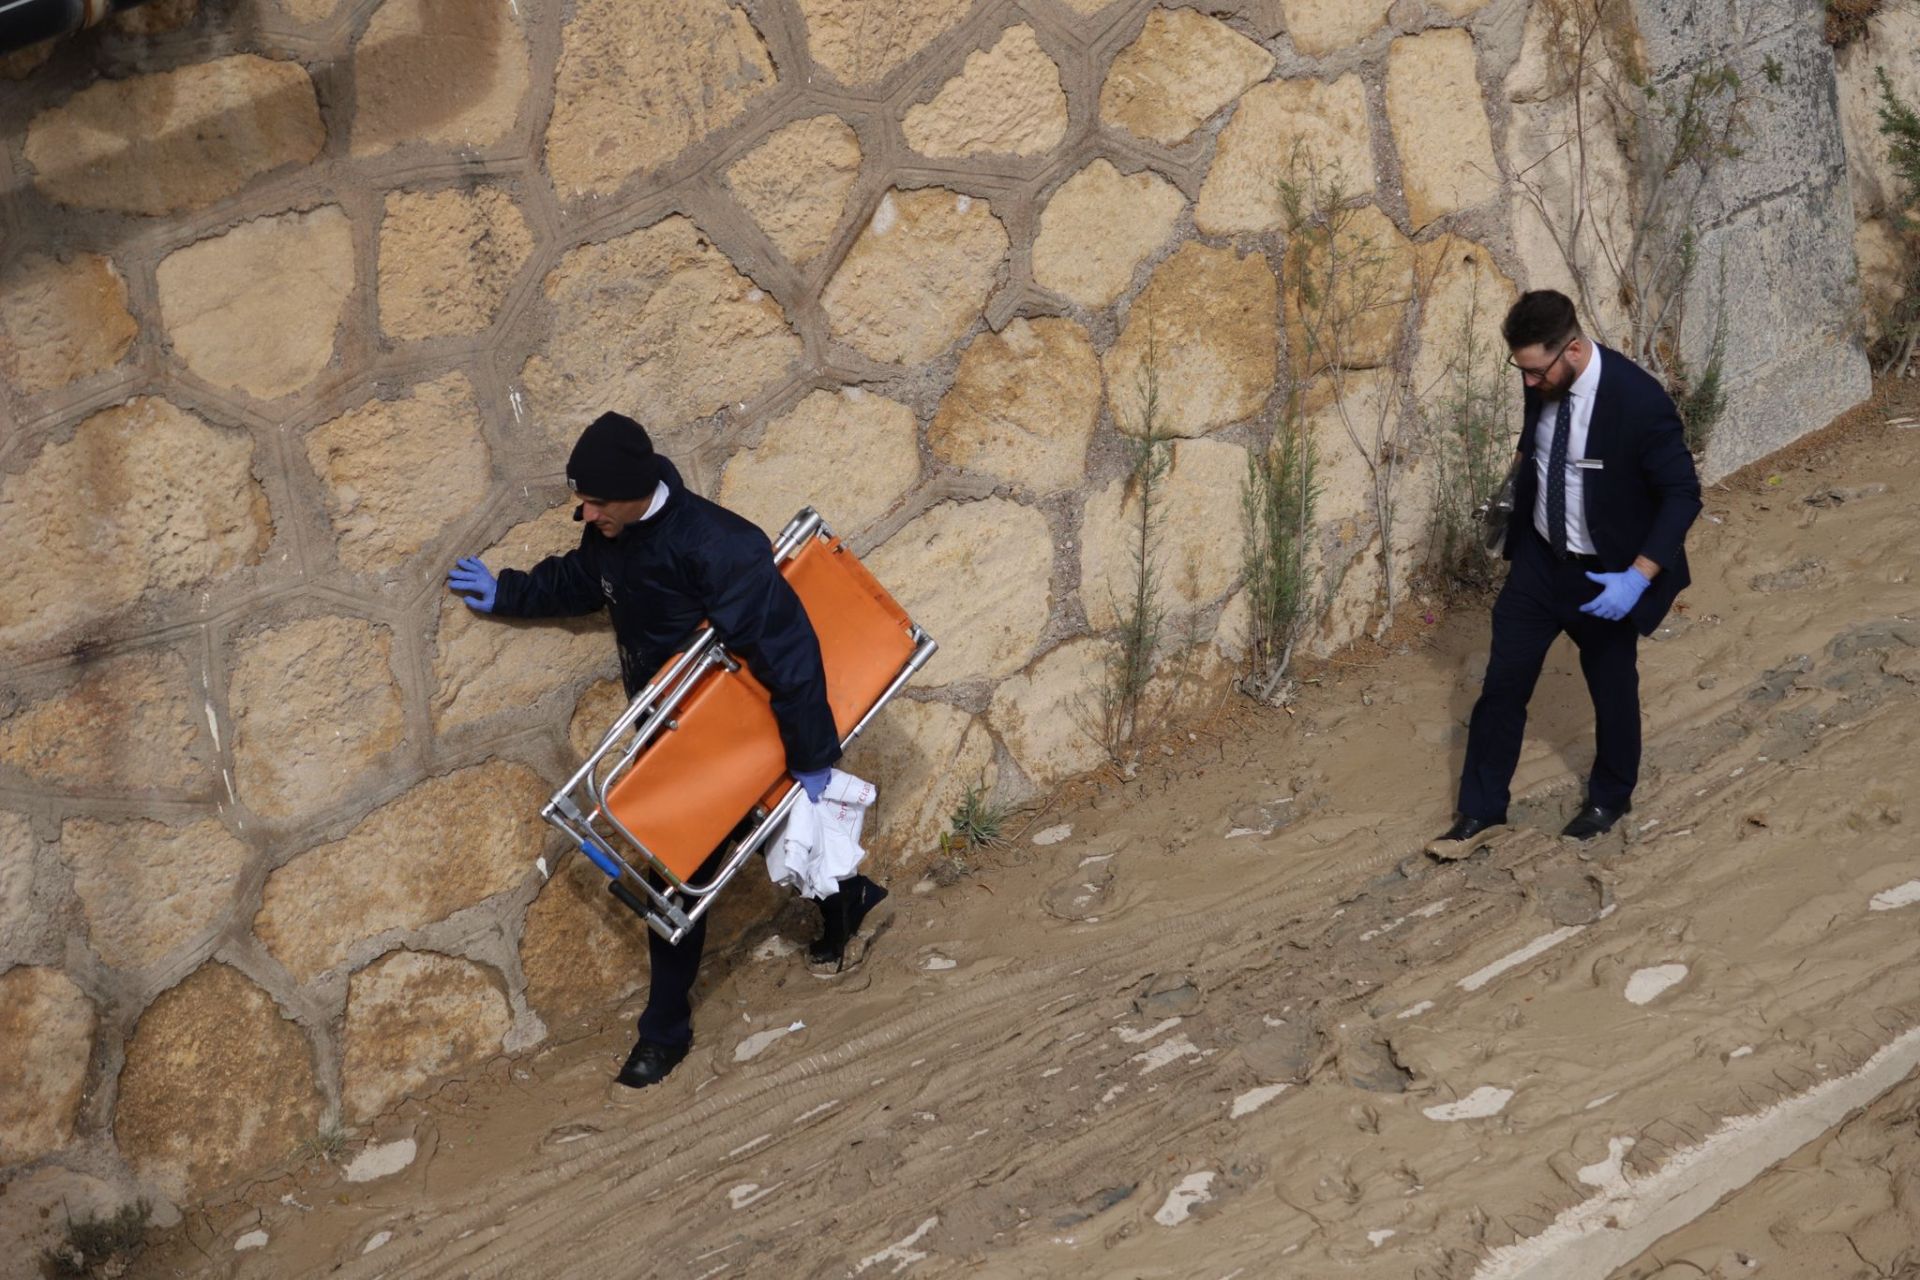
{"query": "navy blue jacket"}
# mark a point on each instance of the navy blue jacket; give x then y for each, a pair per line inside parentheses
(1643, 498)
(694, 561)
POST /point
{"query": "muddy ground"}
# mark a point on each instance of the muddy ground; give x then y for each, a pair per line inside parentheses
(1223, 1019)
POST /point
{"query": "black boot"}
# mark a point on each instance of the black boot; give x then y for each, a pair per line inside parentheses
(841, 914)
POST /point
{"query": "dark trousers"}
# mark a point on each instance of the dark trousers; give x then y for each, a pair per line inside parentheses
(1542, 599)
(673, 967)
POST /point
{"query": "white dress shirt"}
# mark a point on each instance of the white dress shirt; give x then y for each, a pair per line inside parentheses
(1581, 393)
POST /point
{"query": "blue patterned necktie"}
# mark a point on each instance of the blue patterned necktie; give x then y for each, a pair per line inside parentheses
(1557, 477)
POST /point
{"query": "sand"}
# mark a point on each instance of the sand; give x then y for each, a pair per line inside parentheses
(1223, 1019)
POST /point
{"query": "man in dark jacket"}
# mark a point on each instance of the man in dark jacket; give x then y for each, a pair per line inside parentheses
(662, 560)
(1606, 492)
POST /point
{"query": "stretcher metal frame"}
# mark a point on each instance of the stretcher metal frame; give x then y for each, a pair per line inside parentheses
(580, 808)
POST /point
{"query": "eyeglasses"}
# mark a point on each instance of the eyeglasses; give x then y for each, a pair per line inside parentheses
(1542, 372)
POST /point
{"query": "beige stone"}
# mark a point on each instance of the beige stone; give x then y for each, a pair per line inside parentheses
(447, 72)
(1466, 298)
(1006, 100)
(398, 471)
(413, 1016)
(917, 277)
(639, 81)
(256, 308)
(1197, 545)
(1343, 428)
(1356, 310)
(1210, 318)
(47, 1024)
(148, 888)
(1307, 132)
(861, 42)
(795, 184)
(659, 325)
(218, 1083)
(1440, 124)
(483, 665)
(443, 846)
(1098, 227)
(976, 576)
(1023, 405)
(1892, 47)
(447, 259)
(598, 707)
(16, 881)
(314, 709)
(1087, 8)
(1190, 676)
(849, 453)
(1049, 715)
(581, 949)
(1460, 8)
(151, 496)
(1180, 70)
(126, 724)
(35, 1211)
(922, 756)
(1320, 27)
(62, 320)
(175, 140)
(1882, 256)
(22, 63)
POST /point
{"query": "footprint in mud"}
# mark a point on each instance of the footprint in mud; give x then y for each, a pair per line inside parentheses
(1090, 892)
(1794, 577)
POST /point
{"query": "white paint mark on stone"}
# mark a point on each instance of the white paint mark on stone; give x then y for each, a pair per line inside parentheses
(213, 726)
(1166, 1053)
(381, 1160)
(1904, 895)
(754, 295)
(885, 216)
(1053, 835)
(1487, 1100)
(255, 1239)
(1254, 1099)
(1194, 1189)
(1646, 984)
(962, 203)
(376, 1241)
(901, 1252)
(541, 862)
(760, 1041)
(1141, 1037)
(1513, 959)
(1414, 1010)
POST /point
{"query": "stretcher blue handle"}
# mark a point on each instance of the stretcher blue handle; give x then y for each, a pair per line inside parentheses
(600, 858)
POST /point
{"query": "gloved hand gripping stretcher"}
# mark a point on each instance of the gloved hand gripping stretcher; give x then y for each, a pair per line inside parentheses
(697, 755)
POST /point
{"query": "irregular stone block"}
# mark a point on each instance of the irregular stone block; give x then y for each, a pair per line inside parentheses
(47, 1024)
(1893, 46)
(1007, 100)
(1882, 256)
(17, 847)
(143, 497)
(795, 184)
(218, 1082)
(1197, 545)
(1023, 405)
(922, 756)
(581, 949)
(148, 888)
(1467, 297)
(1098, 227)
(38, 1206)
(483, 665)
(1320, 27)
(1440, 124)
(594, 714)
(1348, 408)
(447, 844)
(128, 723)
(621, 337)
(1210, 317)
(256, 308)
(447, 72)
(1049, 715)
(975, 575)
(62, 320)
(1324, 125)
(917, 277)
(860, 42)
(850, 453)
(1357, 306)
(447, 259)
(175, 140)
(1180, 70)
(413, 1016)
(641, 80)
(398, 471)
(314, 707)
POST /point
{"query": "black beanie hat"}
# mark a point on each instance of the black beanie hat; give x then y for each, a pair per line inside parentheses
(614, 460)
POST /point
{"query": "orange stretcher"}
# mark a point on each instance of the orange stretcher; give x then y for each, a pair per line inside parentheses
(696, 757)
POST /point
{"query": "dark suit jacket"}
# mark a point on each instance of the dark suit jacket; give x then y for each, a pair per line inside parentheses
(1643, 499)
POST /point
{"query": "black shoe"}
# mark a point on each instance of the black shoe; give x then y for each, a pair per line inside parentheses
(1463, 837)
(1594, 820)
(841, 914)
(650, 1063)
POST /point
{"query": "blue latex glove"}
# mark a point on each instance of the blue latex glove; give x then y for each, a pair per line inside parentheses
(474, 582)
(813, 782)
(1619, 593)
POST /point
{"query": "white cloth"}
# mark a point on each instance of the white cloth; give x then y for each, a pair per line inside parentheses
(1582, 393)
(658, 501)
(819, 844)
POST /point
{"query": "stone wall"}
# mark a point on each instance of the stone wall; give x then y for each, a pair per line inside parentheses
(301, 299)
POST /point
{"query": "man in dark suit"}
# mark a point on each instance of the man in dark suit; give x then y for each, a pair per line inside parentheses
(1605, 494)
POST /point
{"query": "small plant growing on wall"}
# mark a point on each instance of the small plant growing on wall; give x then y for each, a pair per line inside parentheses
(1900, 125)
(1130, 666)
(1277, 504)
(1470, 436)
